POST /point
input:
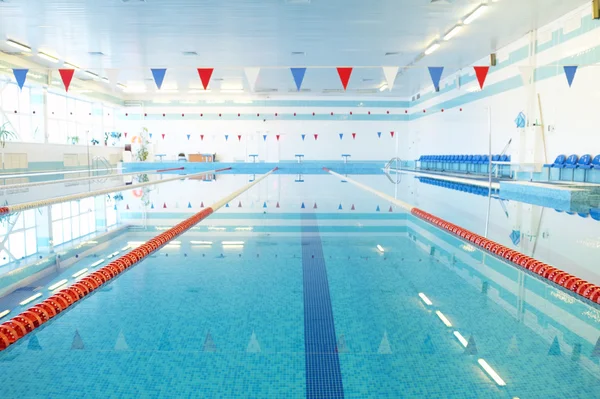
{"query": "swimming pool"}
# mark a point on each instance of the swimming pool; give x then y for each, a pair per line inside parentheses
(316, 289)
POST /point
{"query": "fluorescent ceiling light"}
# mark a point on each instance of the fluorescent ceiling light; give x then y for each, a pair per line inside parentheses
(432, 48)
(453, 32)
(30, 299)
(134, 90)
(72, 66)
(168, 91)
(232, 242)
(47, 57)
(231, 246)
(475, 14)
(59, 284)
(425, 299)
(18, 45)
(383, 87)
(121, 85)
(91, 74)
(461, 339)
(488, 369)
(232, 90)
(380, 248)
(201, 242)
(443, 318)
(198, 91)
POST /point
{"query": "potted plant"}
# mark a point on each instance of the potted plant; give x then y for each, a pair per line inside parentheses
(73, 139)
(6, 134)
(95, 142)
(142, 152)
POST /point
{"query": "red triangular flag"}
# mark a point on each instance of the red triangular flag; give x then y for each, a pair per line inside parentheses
(390, 209)
(239, 137)
(353, 135)
(163, 136)
(277, 206)
(352, 209)
(205, 74)
(125, 134)
(315, 206)
(201, 137)
(344, 76)
(481, 72)
(316, 136)
(202, 204)
(392, 134)
(240, 204)
(165, 205)
(66, 76)
(277, 137)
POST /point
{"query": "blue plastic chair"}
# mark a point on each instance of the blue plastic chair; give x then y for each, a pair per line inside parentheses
(572, 162)
(595, 213)
(558, 162)
(596, 162)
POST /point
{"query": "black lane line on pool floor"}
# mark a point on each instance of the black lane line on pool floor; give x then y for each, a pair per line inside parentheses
(323, 374)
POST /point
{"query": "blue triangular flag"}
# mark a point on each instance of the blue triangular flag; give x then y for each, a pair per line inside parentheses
(77, 341)
(554, 348)
(303, 136)
(340, 207)
(20, 76)
(377, 210)
(264, 137)
(436, 75)
(227, 206)
(379, 134)
(226, 137)
(341, 135)
(515, 237)
(298, 74)
(188, 136)
(570, 72)
(209, 344)
(264, 204)
(150, 135)
(34, 344)
(189, 204)
(152, 205)
(159, 76)
(303, 206)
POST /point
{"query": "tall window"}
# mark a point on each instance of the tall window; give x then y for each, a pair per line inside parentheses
(111, 211)
(17, 237)
(23, 110)
(73, 219)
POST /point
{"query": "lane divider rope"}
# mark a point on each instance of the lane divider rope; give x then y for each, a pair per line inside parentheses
(74, 179)
(36, 204)
(575, 284)
(39, 314)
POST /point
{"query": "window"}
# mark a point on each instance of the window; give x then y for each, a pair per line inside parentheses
(18, 237)
(71, 220)
(111, 211)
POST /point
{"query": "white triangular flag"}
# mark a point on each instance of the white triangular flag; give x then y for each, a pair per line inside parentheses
(113, 76)
(384, 346)
(253, 345)
(526, 72)
(121, 344)
(390, 73)
(252, 76)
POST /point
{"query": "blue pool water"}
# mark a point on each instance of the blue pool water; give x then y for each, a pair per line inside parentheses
(308, 307)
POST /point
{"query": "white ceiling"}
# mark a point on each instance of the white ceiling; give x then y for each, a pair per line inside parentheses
(231, 34)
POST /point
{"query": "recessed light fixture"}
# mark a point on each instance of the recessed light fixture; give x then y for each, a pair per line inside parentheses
(443, 318)
(383, 87)
(461, 339)
(492, 373)
(72, 66)
(198, 91)
(425, 299)
(91, 74)
(18, 45)
(453, 32)
(475, 14)
(122, 86)
(432, 48)
(47, 57)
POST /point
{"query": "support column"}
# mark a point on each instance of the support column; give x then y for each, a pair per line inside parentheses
(43, 221)
(100, 210)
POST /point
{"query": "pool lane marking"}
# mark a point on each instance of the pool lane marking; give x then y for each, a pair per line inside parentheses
(323, 373)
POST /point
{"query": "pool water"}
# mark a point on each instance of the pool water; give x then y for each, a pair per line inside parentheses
(298, 301)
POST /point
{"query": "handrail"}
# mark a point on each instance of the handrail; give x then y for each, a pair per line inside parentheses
(39, 314)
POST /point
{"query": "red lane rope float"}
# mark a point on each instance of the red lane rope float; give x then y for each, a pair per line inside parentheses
(32, 318)
(575, 284)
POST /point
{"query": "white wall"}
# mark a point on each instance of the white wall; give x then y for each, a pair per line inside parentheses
(570, 111)
(328, 146)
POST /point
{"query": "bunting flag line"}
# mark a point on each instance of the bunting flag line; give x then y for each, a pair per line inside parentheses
(390, 74)
(436, 75)
(125, 134)
(188, 136)
(340, 207)
(353, 136)
(189, 204)
(277, 206)
(570, 73)
(205, 74)
(150, 135)
(379, 134)
(303, 136)
(392, 134)
(20, 76)
(316, 136)
(377, 210)
(344, 74)
(315, 206)
(202, 137)
(165, 205)
(481, 73)
(264, 204)
(298, 74)
(277, 137)
(252, 76)
(526, 72)
(163, 136)
(226, 137)
(239, 137)
(66, 75)
(341, 135)
(159, 76)
(112, 75)
(302, 206)
(264, 137)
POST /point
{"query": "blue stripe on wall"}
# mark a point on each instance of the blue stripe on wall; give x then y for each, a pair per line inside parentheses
(323, 374)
